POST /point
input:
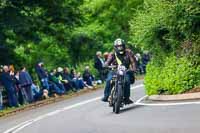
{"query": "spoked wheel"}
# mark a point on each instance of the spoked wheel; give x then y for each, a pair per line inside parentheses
(111, 97)
(117, 99)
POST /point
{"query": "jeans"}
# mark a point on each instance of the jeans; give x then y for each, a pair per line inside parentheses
(12, 99)
(28, 93)
(56, 89)
(107, 89)
(62, 88)
(37, 93)
(89, 81)
(45, 83)
(21, 96)
(80, 83)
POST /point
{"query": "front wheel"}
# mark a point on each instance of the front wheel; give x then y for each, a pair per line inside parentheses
(118, 99)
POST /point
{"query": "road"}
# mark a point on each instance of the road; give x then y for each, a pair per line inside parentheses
(88, 114)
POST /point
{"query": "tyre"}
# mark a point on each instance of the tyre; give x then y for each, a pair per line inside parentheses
(110, 99)
(118, 99)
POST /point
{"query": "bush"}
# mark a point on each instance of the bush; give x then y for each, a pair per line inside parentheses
(175, 76)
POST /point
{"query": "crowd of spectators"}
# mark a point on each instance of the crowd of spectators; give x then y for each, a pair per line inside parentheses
(20, 89)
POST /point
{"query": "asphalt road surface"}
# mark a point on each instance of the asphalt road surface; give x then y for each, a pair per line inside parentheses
(88, 114)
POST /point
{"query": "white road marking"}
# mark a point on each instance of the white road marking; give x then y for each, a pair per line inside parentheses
(22, 125)
(139, 102)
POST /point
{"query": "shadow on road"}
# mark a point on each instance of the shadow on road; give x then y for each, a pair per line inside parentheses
(130, 108)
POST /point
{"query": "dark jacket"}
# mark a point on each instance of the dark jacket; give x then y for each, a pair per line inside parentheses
(127, 59)
(87, 75)
(41, 72)
(67, 76)
(6, 80)
(98, 63)
(25, 79)
(145, 59)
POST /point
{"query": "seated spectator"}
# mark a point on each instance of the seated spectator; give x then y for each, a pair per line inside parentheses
(7, 82)
(26, 82)
(39, 93)
(72, 73)
(42, 74)
(70, 85)
(79, 81)
(56, 84)
(87, 76)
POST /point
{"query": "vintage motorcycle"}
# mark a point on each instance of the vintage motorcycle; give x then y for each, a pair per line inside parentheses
(116, 98)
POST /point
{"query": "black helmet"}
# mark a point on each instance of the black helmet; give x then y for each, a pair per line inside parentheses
(119, 46)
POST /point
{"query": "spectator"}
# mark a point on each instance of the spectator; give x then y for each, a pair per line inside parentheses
(12, 70)
(87, 76)
(56, 84)
(71, 83)
(99, 65)
(20, 91)
(43, 76)
(138, 63)
(145, 60)
(73, 76)
(81, 83)
(105, 55)
(7, 82)
(38, 93)
(60, 76)
(72, 73)
(26, 82)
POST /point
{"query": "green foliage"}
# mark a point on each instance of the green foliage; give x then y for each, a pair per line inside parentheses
(107, 20)
(175, 76)
(31, 31)
(166, 28)
(161, 26)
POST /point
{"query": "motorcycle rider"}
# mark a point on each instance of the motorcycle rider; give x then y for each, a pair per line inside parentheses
(124, 56)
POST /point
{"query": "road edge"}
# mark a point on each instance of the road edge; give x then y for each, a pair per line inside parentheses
(178, 97)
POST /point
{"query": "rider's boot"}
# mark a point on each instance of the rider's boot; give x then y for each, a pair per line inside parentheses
(104, 99)
(128, 101)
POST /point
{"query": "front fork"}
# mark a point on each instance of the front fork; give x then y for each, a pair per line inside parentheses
(113, 87)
